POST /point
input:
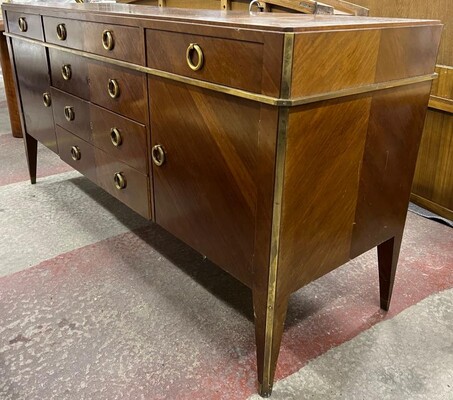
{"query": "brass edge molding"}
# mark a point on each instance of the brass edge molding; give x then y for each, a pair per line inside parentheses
(287, 66)
(261, 98)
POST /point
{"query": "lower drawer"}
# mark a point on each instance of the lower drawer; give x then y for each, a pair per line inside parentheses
(77, 153)
(125, 183)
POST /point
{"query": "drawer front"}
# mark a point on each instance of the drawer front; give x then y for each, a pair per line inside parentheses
(119, 89)
(28, 25)
(77, 153)
(121, 137)
(115, 41)
(135, 191)
(72, 114)
(69, 72)
(228, 62)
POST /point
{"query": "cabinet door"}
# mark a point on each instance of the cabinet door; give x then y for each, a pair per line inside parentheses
(205, 192)
(34, 85)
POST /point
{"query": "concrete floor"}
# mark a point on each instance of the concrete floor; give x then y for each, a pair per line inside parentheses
(95, 303)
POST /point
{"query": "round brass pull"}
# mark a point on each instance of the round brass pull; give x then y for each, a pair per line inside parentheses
(75, 153)
(120, 180)
(61, 31)
(158, 155)
(69, 113)
(113, 88)
(115, 137)
(46, 99)
(107, 40)
(66, 72)
(23, 26)
(193, 47)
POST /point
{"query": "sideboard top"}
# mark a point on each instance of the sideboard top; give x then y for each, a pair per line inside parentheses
(287, 22)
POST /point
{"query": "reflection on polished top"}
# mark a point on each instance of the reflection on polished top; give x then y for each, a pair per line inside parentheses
(282, 22)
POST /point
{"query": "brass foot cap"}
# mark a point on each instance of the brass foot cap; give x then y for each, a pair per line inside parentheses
(264, 391)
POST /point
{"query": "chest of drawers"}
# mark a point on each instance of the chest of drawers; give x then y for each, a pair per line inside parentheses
(279, 146)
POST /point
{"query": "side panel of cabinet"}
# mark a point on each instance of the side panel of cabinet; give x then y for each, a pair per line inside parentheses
(206, 189)
(33, 80)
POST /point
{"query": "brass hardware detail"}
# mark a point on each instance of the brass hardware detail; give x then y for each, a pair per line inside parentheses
(61, 31)
(120, 181)
(23, 26)
(158, 155)
(75, 153)
(66, 72)
(115, 137)
(108, 42)
(194, 47)
(243, 94)
(113, 88)
(69, 113)
(46, 99)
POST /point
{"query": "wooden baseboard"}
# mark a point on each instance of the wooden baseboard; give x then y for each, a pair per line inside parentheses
(431, 206)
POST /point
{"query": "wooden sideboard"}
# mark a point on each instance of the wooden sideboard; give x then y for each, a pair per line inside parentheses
(279, 146)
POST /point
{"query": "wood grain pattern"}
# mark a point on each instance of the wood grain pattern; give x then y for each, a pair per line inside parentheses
(206, 191)
(33, 80)
(440, 9)
(87, 163)
(433, 181)
(80, 125)
(10, 91)
(324, 156)
(87, 36)
(388, 164)
(34, 25)
(348, 59)
(136, 193)
(228, 62)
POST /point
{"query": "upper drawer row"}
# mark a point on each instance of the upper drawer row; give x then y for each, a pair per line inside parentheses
(115, 41)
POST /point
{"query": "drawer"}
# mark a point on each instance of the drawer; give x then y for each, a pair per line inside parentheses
(119, 89)
(72, 114)
(227, 62)
(121, 137)
(115, 41)
(125, 183)
(69, 72)
(77, 153)
(23, 24)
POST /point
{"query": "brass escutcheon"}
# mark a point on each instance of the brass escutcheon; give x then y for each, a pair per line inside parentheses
(69, 113)
(61, 31)
(115, 137)
(120, 181)
(23, 26)
(46, 99)
(107, 40)
(194, 47)
(75, 153)
(158, 155)
(66, 72)
(113, 88)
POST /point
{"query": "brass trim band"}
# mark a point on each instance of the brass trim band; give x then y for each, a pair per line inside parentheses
(261, 98)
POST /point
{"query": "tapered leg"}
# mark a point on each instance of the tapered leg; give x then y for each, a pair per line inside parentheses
(388, 253)
(269, 323)
(31, 151)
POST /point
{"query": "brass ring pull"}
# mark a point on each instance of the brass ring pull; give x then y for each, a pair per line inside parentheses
(194, 47)
(61, 31)
(46, 99)
(75, 153)
(107, 40)
(66, 72)
(120, 180)
(23, 26)
(115, 137)
(113, 88)
(69, 113)
(158, 155)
